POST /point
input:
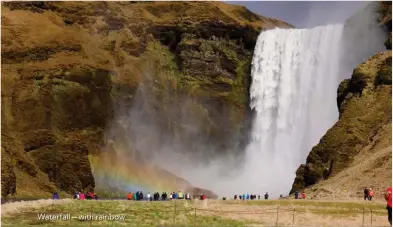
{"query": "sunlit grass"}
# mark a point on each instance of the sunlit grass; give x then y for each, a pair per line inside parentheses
(182, 213)
(135, 213)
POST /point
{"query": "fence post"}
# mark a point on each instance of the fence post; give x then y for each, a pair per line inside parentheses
(91, 213)
(363, 217)
(293, 217)
(277, 216)
(174, 215)
(371, 217)
(194, 216)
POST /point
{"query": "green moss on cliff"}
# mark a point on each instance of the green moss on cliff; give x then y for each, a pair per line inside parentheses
(384, 76)
(60, 87)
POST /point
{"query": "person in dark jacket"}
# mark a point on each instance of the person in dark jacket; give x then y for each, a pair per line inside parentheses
(366, 193)
(266, 196)
(296, 195)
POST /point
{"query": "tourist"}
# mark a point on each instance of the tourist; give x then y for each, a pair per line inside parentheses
(266, 196)
(259, 197)
(235, 197)
(370, 194)
(90, 195)
(388, 197)
(76, 195)
(82, 196)
(366, 193)
(296, 195)
(55, 195)
(129, 196)
(303, 195)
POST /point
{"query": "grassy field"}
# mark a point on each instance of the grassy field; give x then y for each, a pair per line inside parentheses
(196, 213)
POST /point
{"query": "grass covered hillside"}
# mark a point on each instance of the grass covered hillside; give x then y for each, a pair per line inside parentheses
(68, 67)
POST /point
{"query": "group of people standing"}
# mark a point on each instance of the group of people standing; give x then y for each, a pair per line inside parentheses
(78, 195)
(136, 196)
(368, 194)
(156, 196)
(83, 196)
(249, 196)
(302, 195)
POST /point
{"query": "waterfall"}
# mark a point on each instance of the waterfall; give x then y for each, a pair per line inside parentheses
(295, 76)
(293, 93)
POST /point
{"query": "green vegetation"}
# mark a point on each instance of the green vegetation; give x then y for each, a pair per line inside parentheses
(312, 203)
(184, 213)
(384, 76)
(135, 213)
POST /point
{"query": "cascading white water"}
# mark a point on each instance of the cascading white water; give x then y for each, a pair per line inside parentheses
(293, 92)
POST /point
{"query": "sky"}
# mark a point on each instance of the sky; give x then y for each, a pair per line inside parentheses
(304, 14)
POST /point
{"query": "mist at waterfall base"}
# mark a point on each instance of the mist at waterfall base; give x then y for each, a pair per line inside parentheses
(295, 75)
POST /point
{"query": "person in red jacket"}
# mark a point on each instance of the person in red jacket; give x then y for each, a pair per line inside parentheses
(388, 197)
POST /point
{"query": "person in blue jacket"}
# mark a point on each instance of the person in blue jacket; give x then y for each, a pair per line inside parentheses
(55, 195)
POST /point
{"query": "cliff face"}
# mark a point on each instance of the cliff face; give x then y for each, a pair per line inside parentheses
(67, 67)
(365, 113)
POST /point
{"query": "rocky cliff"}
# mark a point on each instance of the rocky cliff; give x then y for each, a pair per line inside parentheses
(356, 152)
(68, 67)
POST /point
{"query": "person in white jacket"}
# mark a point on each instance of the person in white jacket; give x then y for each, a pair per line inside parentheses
(148, 196)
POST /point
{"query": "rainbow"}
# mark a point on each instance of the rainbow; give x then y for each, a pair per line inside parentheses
(117, 172)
